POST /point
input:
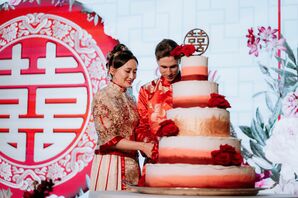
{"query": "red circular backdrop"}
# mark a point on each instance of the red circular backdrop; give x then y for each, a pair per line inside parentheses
(52, 61)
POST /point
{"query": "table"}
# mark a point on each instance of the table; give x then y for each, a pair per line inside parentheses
(126, 194)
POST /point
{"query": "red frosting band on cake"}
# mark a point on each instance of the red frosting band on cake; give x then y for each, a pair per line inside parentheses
(194, 77)
(183, 155)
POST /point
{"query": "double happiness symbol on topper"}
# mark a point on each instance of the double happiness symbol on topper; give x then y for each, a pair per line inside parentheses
(199, 39)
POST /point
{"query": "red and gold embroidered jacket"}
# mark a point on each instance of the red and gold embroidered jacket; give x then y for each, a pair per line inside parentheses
(155, 98)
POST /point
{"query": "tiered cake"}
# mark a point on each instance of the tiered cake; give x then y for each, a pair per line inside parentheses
(186, 160)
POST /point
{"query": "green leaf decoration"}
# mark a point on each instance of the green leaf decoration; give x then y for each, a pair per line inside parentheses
(271, 85)
(290, 53)
(259, 118)
(264, 69)
(247, 131)
(280, 60)
(259, 93)
(291, 66)
(269, 102)
(256, 149)
(276, 172)
(267, 130)
(276, 112)
(296, 63)
(283, 72)
(246, 153)
(290, 82)
(232, 131)
(257, 133)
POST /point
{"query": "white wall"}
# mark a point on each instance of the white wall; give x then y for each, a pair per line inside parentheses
(141, 24)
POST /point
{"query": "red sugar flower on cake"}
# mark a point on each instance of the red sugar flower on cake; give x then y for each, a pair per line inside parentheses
(183, 50)
(219, 101)
(167, 128)
(226, 156)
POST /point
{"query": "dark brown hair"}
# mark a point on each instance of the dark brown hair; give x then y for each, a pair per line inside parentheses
(119, 56)
(164, 48)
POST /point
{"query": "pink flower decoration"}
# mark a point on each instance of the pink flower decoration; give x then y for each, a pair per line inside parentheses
(254, 50)
(251, 37)
(267, 34)
(277, 44)
(265, 39)
(261, 178)
(290, 104)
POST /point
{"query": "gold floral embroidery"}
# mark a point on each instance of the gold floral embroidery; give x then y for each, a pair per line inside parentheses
(115, 113)
(132, 171)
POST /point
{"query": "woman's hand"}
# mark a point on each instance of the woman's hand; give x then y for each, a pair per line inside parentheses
(146, 148)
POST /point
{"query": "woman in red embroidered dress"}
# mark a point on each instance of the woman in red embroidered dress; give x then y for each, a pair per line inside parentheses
(115, 117)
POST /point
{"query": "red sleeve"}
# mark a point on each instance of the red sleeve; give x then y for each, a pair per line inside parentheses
(143, 131)
(106, 147)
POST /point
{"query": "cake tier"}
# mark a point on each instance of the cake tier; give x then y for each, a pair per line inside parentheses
(198, 121)
(199, 176)
(193, 93)
(192, 150)
(194, 68)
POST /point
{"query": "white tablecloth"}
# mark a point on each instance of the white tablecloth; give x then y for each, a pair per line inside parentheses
(125, 194)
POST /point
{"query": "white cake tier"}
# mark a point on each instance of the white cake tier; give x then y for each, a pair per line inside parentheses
(194, 68)
(193, 93)
(197, 121)
(192, 149)
(199, 176)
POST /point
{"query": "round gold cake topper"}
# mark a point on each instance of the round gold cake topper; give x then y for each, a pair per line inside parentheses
(199, 38)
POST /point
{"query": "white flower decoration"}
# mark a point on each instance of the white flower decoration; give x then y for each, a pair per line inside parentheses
(290, 104)
(283, 143)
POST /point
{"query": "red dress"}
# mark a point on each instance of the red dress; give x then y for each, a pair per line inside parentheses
(155, 98)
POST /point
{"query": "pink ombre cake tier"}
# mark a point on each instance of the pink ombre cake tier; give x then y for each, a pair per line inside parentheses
(192, 149)
(197, 121)
(194, 68)
(199, 176)
(193, 93)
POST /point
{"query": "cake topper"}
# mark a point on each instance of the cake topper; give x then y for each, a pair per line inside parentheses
(199, 39)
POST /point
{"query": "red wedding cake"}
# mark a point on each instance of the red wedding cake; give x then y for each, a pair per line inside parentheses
(203, 154)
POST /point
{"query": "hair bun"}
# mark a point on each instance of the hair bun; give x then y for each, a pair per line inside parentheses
(119, 48)
(116, 50)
